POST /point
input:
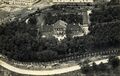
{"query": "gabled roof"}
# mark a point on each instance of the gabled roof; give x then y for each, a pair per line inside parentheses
(60, 23)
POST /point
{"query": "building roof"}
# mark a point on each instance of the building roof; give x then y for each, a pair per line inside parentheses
(60, 24)
(73, 1)
(74, 27)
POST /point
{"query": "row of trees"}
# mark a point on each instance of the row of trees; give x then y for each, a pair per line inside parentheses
(69, 18)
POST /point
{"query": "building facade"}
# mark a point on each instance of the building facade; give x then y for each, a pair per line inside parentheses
(20, 2)
(62, 29)
(72, 0)
(59, 28)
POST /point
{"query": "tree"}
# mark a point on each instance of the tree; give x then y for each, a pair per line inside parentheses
(86, 69)
(114, 61)
(33, 20)
(94, 67)
(102, 67)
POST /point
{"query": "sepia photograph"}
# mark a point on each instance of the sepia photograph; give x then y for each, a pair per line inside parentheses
(59, 37)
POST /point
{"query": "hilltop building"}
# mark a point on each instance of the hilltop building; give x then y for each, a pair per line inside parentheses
(72, 0)
(61, 29)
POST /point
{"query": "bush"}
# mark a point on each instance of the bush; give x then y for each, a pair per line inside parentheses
(114, 61)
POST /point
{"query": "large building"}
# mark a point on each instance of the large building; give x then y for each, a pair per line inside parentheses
(20, 2)
(81, 1)
(72, 0)
(61, 29)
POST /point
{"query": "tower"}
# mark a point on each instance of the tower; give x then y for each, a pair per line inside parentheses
(86, 21)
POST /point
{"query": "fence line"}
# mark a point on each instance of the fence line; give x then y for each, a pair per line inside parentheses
(32, 65)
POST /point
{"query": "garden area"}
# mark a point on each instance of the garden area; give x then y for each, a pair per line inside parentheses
(23, 42)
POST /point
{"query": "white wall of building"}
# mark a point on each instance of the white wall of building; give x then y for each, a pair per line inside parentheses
(73, 0)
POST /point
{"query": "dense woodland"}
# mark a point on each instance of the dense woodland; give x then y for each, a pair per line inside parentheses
(23, 42)
(105, 24)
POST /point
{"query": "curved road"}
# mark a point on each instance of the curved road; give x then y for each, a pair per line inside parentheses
(45, 72)
(34, 72)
